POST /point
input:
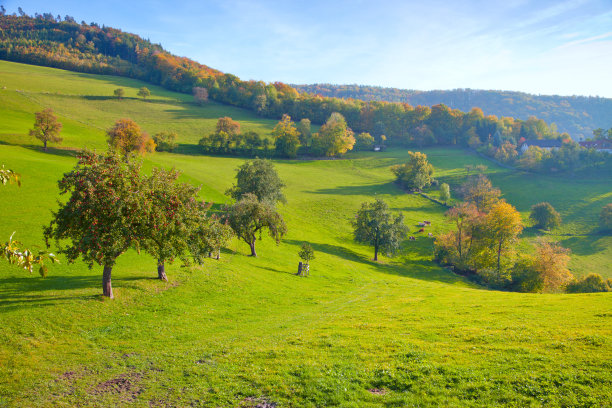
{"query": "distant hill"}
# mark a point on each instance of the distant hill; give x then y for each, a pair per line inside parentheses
(577, 115)
(49, 40)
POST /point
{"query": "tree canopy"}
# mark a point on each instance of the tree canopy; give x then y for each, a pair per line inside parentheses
(173, 215)
(545, 216)
(605, 217)
(144, 92)
(334, 137)
(375, 226)
(416, 174)
(286, 137)
(258, 177)
(46, 127)
(106, 213)
(127, 137)
(250, 217)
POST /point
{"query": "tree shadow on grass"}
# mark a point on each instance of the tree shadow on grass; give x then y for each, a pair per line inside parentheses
(14, 292)
(585, 245)
(422, 269)
(366, 190)
(274, 270)
(65, 152)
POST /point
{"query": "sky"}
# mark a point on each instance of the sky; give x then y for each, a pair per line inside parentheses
(541, 47)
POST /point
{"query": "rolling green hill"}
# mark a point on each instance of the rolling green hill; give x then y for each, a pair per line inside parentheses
(247, 332)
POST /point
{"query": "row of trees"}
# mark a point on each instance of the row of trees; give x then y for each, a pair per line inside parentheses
(569, 158)
(334, 138)
(113, 207)
(125, 135)
(90, 48)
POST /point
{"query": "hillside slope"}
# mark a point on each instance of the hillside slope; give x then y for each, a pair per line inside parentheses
(576, 115)
(247, 332)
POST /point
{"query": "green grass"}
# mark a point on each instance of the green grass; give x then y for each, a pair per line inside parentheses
(243, 331)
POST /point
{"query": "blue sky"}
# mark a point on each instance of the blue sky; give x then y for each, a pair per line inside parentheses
(545, 47)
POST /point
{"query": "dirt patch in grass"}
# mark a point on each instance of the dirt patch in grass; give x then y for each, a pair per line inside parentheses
(126, 385)
(377, 391)
(257, 403)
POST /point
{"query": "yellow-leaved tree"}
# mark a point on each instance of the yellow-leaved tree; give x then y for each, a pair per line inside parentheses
(503, 226)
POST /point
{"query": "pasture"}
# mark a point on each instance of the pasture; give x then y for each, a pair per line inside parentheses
(247, 332)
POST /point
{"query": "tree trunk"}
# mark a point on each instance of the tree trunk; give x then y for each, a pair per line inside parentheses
(252, 245)
(107, 289)
(376, 252)
(161, 271)
(499, 257)
(45, 145)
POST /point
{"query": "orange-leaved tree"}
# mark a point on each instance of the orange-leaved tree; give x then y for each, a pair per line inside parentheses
(46, 127)
(126, 137)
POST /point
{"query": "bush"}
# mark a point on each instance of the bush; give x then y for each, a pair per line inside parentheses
(306, 253)
(525, 276)
(605, 217)
(545, 216)
(593, 282)
(445, 194)
(165, 141)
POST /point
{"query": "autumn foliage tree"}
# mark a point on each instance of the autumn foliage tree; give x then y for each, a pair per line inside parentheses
(286, 137)
(334, 137)
(503, 226)
(228, 125)
(551, 262)
(106, 212)
(46, 127)
(479, 190)
(127, 137)
(200, 94)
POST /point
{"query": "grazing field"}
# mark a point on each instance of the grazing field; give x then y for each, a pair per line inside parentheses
(246, 331)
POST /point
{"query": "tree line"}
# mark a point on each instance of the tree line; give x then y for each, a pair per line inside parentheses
(576, 115)
(569, 158)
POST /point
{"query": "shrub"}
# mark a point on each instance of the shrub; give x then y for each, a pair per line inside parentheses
(545, 216)
(593, 282)
(526, 277)
(165, 141)
(445, 194)
(605, 217)
(306, 253)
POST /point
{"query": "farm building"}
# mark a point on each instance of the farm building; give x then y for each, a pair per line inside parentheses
(546, 144)
(599, 145)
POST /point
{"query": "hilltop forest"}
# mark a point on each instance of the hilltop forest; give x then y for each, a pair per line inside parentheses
(576, 115)
(63, 43)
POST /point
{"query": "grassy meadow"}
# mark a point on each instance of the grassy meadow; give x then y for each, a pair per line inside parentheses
(248, 332)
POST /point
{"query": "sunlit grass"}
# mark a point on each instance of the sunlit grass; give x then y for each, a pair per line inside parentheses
(243, 331)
